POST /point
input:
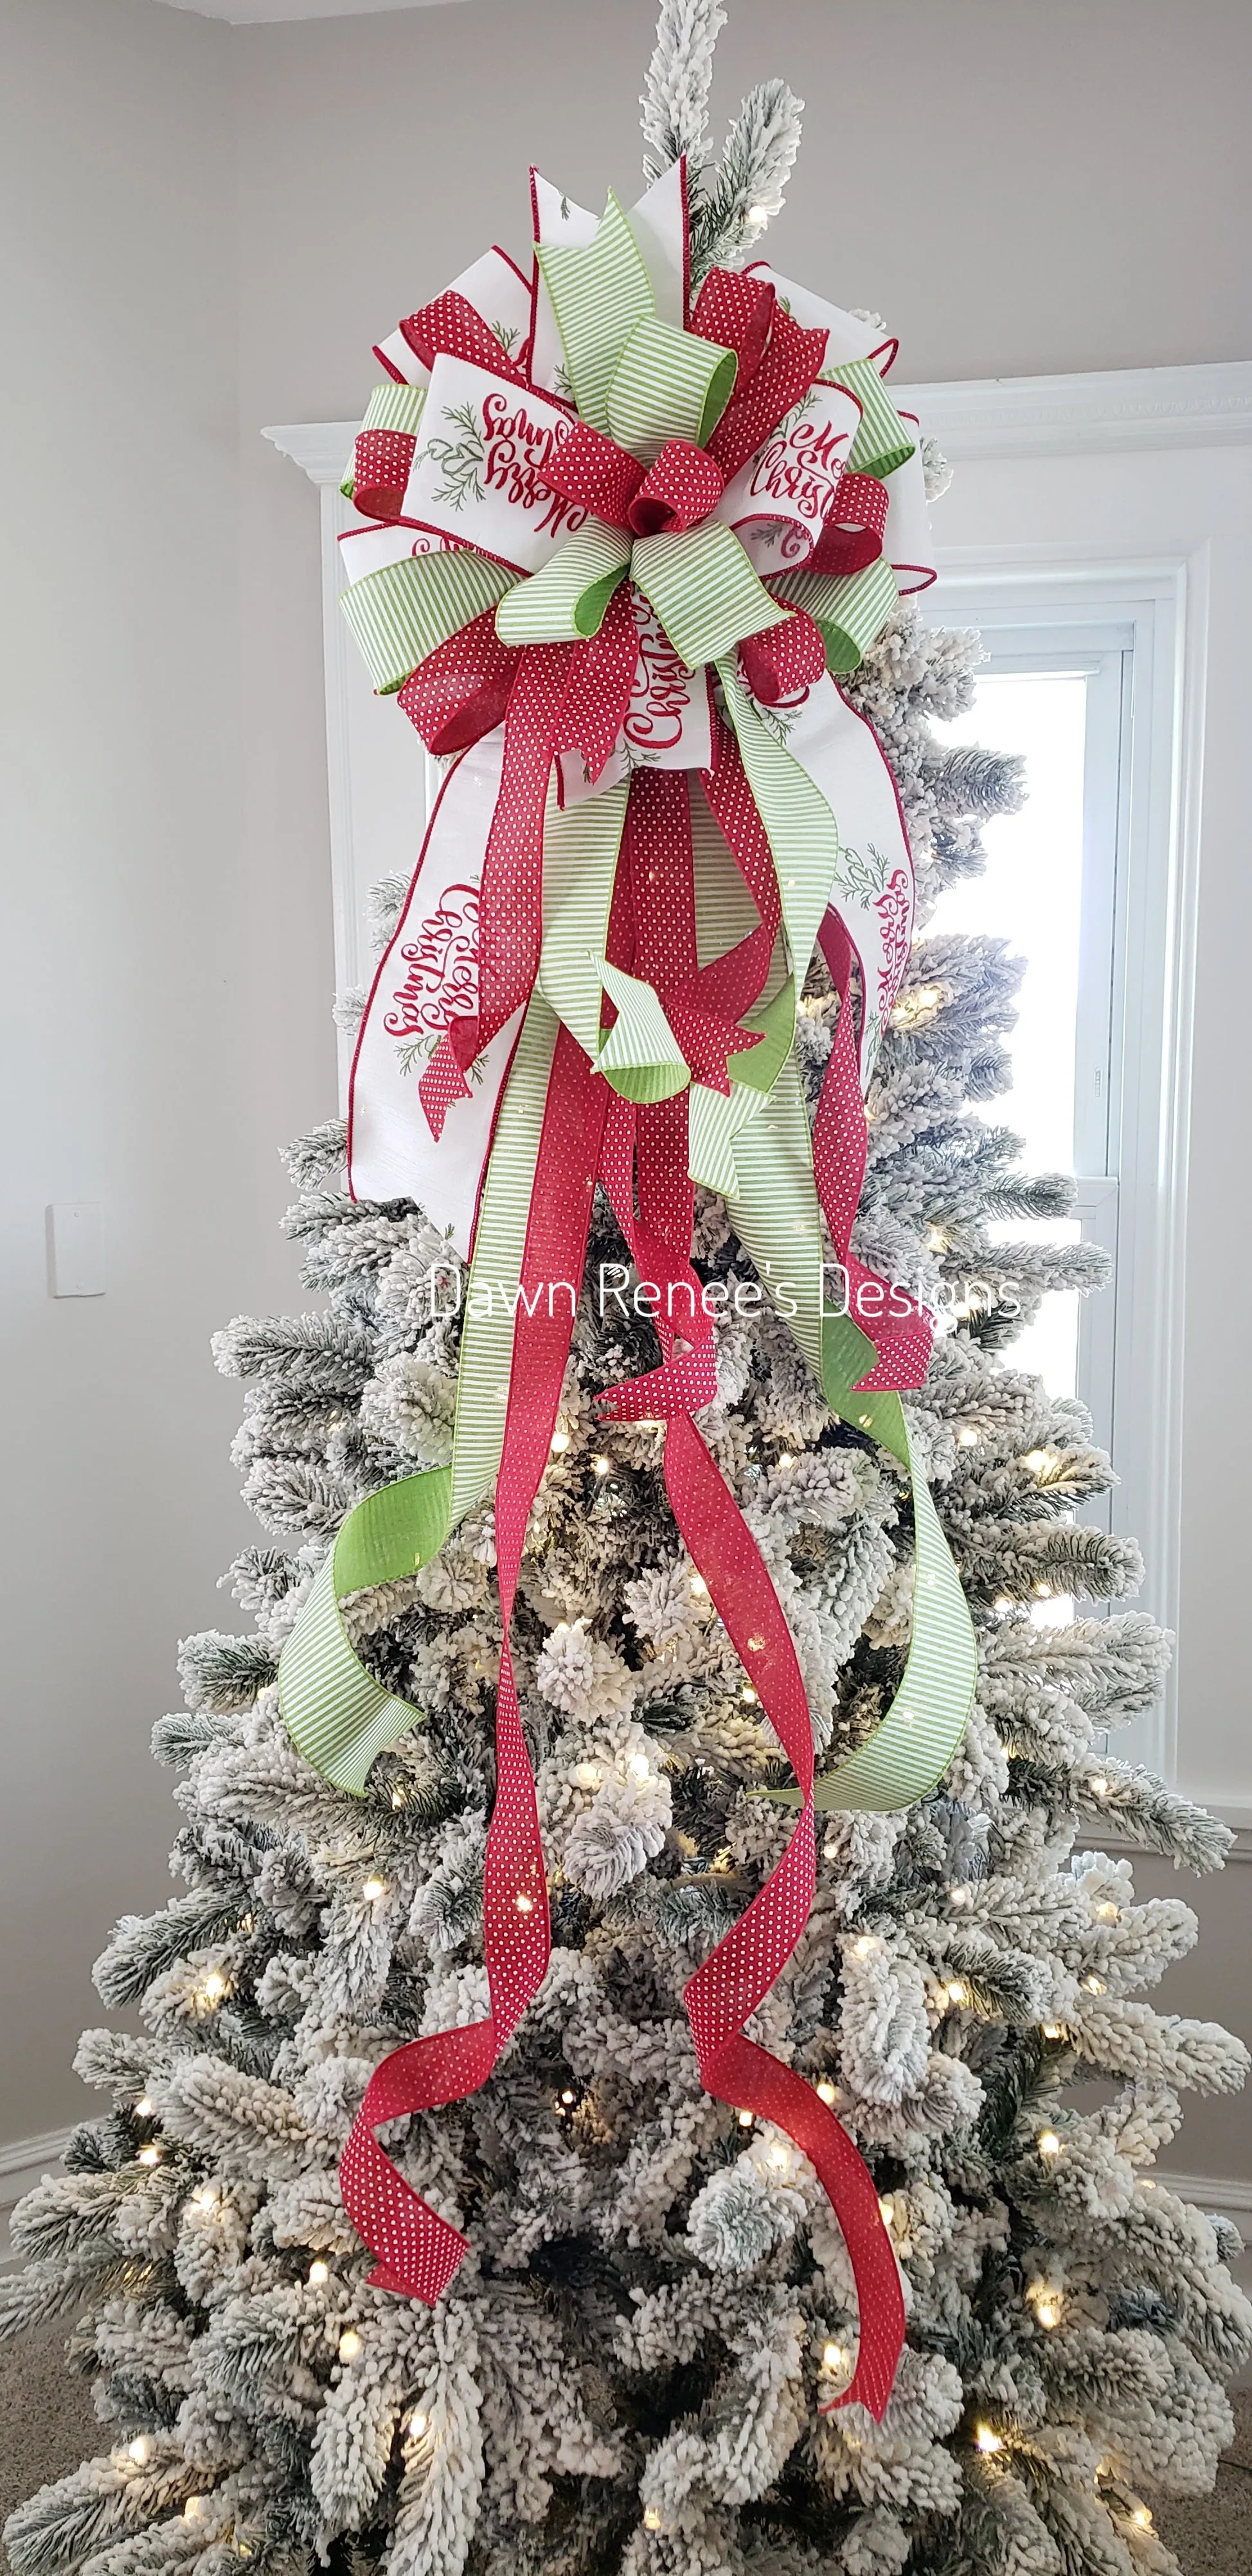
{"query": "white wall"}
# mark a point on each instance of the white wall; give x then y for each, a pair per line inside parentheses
(156, 1045)
(218, 221)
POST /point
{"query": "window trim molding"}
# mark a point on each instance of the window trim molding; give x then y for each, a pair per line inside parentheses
(1165, 600)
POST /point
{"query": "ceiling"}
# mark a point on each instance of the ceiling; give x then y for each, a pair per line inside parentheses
(257, 13)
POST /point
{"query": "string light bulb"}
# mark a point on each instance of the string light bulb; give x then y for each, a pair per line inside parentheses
(836, 2357)
(827, 2092)
(1048, 2143)
(936, 1239)
(652, 2519)
(525, 1904)
(144, 2107)
(418, 2424)
(745, 2118)
(1108, 1912)
(886, 2209)
(205, 2196)
(587, 1775)
(640, 1767)
(600, 1466)
(786, 1459)
(699, 1587)
(987, 2440)
(865, 1946)
(214, 1986)
(1098, 1785)
(780, 2156)
(148, 2156)
(1039, 1461)
(192, 2507)
(957, 1991)
(140, 2450)
(319, 2273)
(559, 1443)
(373, 1889)
(1054, 2030)
(749, 1695)
(349, 2344)
(1141, 2516)
(967, 1437)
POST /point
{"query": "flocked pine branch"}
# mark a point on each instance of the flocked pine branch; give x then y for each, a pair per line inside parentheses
(675, 100)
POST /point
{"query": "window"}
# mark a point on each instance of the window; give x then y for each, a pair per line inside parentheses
(1079, 883)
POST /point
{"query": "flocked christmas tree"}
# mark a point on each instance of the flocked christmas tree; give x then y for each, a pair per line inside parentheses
(627, 2372)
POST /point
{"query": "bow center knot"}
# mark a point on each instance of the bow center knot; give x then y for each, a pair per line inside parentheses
(683, 486)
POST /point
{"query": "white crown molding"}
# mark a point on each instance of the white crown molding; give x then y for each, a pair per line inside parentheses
(320, 448)
(1080, 415)
(1084, 415)
(1226, 2195)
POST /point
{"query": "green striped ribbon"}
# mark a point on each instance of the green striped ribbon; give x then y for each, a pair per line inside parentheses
(799, 826)
(580, 847)
(390, 406)
(668, 384)
(704, 590)
(598, 295)
(567, 598)
(778, 1221)
(338, 1716)
(850, 608)
(640, 1056)
(407, 609)
(882, 442)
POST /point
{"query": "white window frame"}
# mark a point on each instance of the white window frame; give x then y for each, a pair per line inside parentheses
(1125, 626)
(1105, 497)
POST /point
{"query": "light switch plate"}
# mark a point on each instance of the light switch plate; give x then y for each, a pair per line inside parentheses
(75, 1249)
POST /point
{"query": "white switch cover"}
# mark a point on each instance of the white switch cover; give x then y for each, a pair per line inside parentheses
(75, 1249)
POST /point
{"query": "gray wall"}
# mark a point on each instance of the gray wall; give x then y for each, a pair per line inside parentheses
(217, 222)
(157, 1039)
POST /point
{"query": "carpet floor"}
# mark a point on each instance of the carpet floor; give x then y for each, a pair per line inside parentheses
(48, 2424)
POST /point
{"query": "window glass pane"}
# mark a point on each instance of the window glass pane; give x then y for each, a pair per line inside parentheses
(1030, 893)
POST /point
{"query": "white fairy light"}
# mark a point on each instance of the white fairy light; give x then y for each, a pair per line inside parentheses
(827, 2092)
(966, 1437)
(699, 1587)
(601, 1466)
(205, 2196)
(417, 2425)
(559, 1443)
(588, 1775)
(886, 2209)
(1048, 2143)
(745, 2118)
(865, 1946)
(319, 2273)
(986, 2440)
(144, 2107)
(373, 1888)
(140, 2450)
(640, 1767)
(836, 2358)
(349, 2344)
(148, 2156)
(957, 1991)
(525, 1904)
